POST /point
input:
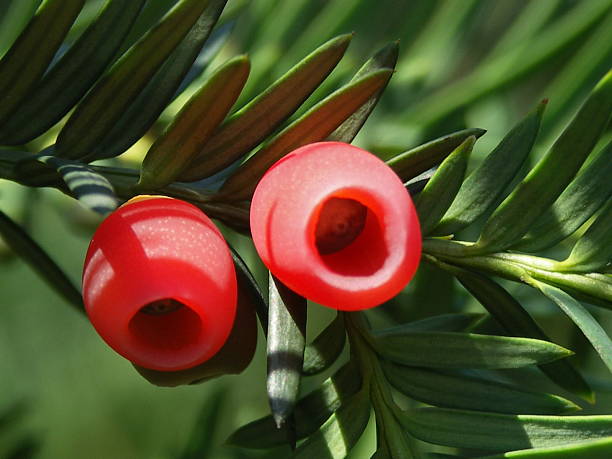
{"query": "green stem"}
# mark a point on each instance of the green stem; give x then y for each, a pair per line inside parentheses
(517, 267)
(124, 180)
(372, 373)
(360, 349)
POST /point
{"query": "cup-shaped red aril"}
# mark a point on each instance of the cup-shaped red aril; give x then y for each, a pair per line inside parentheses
(335, 224)
(159, 284)
(232, 358)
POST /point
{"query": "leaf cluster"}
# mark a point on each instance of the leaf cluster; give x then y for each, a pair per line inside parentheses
(438, 380)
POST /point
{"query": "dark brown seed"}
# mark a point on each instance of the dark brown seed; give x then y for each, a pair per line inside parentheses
(161, 307)
(340, 222)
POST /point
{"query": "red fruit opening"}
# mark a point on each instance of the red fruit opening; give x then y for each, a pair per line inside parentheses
(360, 246)
(166, 325)
(335, 224)
(339, 223)
(159, 284)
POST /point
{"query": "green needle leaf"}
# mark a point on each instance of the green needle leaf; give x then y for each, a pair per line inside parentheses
(246, 128)
(26, 61)
(599, 295)
(595, 449)
(465, 350)
(593, 251)
(593, 288)
(251, 287)
(429, 58)
(324, 19)
(142, 112)
(73, 75)
(589, 326)
(310, 412)
(551, 175)
(326, 348)
(509, 67)
(115, 91)
(588, 59)
(437, 196)
(484, 186)
(315, 125)
(286, 335)
(193, 125)
(511, 315)
(501, 432)
(24, 246)
(277, 27)
(580, 200)
(14, 16)
(91, 189)
(340, 432)
(471, 393)
(529, 21)
(386, 58)
(391, 438)
(454, 322)
(419, 159)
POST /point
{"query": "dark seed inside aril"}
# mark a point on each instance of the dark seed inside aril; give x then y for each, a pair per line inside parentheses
(161, 307)
(341, 220)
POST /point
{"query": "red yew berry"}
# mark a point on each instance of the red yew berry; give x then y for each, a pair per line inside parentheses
(232, 358)
(159, 284)
(335, 224)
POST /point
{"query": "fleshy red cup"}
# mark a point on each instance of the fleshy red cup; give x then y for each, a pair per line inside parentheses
(159, 284)
(335, 224)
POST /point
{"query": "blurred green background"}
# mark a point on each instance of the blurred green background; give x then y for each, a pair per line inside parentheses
(463, 63)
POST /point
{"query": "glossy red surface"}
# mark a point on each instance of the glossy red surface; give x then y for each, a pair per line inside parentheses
(155, 252)
(286, 213)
